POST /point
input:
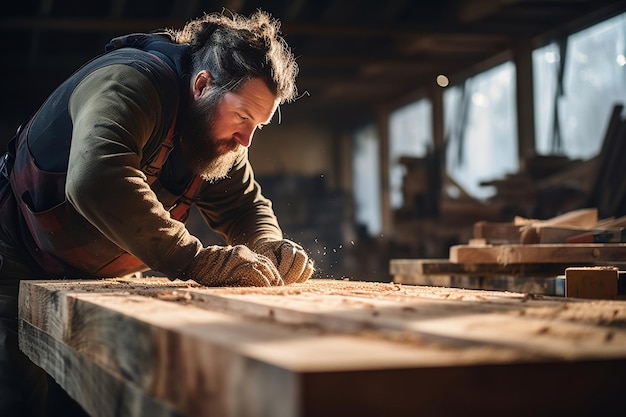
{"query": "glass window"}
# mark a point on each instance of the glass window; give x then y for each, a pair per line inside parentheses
(410, 134)
(593, 81)
(366, 180)
(481, 129)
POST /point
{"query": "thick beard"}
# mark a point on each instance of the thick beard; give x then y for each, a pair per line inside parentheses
(208, 156)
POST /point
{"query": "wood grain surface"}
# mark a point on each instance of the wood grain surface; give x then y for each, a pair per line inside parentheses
(140, 347)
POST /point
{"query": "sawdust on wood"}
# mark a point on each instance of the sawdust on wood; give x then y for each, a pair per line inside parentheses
(597, 312)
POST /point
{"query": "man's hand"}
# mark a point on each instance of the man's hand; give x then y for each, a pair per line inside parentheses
(232, 266)
(292, 261)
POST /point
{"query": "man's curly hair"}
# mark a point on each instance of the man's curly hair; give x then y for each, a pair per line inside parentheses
(234, 49)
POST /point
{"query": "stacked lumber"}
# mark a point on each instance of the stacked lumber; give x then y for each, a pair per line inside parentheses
(152, 347)
(551, 184)
(577, 226)
(524, 255)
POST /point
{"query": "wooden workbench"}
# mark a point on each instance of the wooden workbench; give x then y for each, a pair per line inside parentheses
(151, 347)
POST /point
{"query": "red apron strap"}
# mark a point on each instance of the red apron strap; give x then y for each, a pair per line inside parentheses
(153, 167)
(180, 211)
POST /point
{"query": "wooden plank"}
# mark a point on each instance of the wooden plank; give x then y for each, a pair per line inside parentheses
(565, 234)
(445, 267)
(497, 232)
(613, 222)
(322, 348)
(590, 254)
(486, 319)
(158, 348)
(532, 231)
(343, 307)
(583, 218)
(93, 386)
(527, 278)
(550, 286)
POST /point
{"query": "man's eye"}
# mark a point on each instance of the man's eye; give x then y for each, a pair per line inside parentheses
(242, 117)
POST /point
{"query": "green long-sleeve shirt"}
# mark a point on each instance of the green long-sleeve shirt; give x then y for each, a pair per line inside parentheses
(114, 111)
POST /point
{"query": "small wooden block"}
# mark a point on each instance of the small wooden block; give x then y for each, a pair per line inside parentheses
(598, 282)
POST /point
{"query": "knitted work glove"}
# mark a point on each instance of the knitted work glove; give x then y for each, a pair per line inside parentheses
(232, 266)
(292, 261)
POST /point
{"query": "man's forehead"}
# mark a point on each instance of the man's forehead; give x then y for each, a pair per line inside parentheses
(257, 100)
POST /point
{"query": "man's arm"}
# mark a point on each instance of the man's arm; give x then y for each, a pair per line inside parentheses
(236, 209)
(114, 112)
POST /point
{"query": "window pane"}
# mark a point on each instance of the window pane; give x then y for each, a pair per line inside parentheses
(410, 134)
(594, 81)
(545, 69)
(481, 128)
(365, 174)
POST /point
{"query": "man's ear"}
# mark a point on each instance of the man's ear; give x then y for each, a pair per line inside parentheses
(201, 83)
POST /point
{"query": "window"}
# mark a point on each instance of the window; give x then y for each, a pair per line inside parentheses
(593, 80)
(481, 129)
(410, 134)
(365, 174)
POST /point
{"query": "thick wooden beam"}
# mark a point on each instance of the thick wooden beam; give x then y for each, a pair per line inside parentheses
(382, 125)
(522, 55)
(68, 24)
(140, 347)
(96, 388)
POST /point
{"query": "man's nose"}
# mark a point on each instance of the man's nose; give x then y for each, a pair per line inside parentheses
(244, 138)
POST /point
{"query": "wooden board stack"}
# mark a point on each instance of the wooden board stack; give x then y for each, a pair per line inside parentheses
(525, 255)
(151, 347)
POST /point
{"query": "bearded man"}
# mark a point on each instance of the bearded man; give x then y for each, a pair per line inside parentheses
(98, 183)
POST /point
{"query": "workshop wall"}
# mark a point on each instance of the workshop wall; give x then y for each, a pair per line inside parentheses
(299, 149)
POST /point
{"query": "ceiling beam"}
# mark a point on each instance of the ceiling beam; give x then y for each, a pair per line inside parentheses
(85, 24)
